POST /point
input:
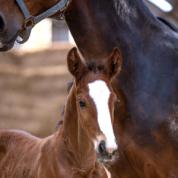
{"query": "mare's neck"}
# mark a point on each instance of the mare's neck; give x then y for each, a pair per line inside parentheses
(98, 26)
(76, 138)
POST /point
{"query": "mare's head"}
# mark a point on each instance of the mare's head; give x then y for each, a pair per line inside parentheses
(17, 18)
(96, 99)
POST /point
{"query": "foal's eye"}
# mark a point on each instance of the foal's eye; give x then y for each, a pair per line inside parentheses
(82, 104)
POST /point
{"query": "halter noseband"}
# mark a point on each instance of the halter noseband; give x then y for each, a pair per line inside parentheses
(30, 21)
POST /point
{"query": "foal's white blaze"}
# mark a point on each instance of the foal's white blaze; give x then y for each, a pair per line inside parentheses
(100, 94)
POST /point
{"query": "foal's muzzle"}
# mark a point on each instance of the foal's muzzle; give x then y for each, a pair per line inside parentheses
(104, 153)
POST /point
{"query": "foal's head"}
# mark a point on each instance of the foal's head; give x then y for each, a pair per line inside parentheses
(95, 99)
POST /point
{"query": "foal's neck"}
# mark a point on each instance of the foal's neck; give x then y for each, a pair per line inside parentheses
(76, 137)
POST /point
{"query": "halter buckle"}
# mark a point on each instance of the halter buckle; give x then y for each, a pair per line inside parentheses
(31, 20)
(29, 23)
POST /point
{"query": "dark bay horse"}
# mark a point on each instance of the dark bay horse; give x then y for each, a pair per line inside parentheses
(148, 125)
(87, 131)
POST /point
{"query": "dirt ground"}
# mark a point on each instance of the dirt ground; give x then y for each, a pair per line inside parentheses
(33, 89)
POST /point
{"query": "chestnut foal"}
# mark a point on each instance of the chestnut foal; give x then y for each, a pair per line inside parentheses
(71, 152)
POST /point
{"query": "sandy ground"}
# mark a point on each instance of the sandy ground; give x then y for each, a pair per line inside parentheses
(33, 89)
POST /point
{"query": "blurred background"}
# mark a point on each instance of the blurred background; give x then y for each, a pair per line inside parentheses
(34, 77)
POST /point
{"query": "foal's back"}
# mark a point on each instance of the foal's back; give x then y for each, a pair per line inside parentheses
(18, 151)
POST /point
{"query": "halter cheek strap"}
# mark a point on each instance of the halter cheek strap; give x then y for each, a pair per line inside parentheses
(30, 21)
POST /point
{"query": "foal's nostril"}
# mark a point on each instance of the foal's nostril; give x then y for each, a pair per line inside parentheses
(102, 147)
(2, 24)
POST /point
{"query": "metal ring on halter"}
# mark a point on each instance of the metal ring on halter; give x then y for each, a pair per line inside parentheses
(25, 33)
(30, 21)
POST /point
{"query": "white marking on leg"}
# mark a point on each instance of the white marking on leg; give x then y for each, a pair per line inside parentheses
(100, 94)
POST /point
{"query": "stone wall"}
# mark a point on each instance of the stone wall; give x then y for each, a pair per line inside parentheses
(33, 90)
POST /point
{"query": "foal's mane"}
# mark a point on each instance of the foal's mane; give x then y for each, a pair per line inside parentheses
(60, 122)
(95, 68)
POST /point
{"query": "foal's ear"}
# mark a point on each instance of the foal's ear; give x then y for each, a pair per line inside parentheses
(114, 62)
(74, 62)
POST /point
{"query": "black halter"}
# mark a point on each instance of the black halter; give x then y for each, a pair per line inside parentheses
(30, 20)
